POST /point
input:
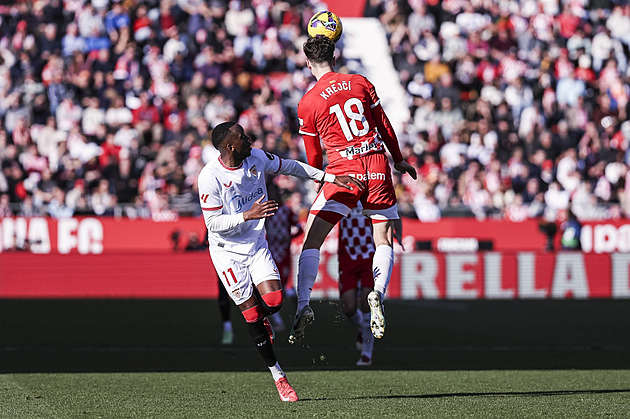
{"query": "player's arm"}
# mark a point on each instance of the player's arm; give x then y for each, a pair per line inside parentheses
(391, 141)
(313, 148)
(303, 170)
(218, 222)
(388, 135)
(212, 207)
(312, 144)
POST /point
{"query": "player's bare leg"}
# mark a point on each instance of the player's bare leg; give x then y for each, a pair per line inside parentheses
(382, 265)
(316, 231)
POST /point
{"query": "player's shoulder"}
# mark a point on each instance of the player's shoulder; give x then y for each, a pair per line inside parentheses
(264, 159)
(356, 77)
(365, 82)
(263, 155)
(308, 96)
(207, 168)
(210, 170)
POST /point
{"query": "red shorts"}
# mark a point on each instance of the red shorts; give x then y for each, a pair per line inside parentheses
(378, 197)
(350, 275)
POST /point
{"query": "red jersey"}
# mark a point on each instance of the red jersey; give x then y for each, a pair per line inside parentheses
(345, 112)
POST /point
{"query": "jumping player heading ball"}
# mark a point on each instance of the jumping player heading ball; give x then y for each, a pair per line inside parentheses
(344, 111)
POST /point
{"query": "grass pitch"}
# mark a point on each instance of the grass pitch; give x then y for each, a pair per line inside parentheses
(162, 359)
(332, 394)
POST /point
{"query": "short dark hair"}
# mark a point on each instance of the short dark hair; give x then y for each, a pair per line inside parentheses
(220, 132)
(319, 50)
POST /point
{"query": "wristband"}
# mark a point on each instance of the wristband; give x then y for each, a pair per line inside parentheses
(329, 177)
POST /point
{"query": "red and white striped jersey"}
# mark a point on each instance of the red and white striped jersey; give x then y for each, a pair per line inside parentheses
(279, 231)
(355, 239)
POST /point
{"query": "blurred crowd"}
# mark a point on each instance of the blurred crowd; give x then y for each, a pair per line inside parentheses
(517, 109)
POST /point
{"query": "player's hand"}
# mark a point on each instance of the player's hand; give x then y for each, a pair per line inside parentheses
(404, 167)
(261, 209)
(347, 182)
(317, 185)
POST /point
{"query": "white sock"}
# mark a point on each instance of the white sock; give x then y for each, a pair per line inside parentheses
(308, 265)
(227, 326)
(277, 372)
(368, 338)
(382, 265)
(355, 319)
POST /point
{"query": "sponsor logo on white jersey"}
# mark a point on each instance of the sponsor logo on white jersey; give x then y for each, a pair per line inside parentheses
(239, 201)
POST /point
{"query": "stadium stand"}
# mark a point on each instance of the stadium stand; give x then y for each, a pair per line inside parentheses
(514, 109)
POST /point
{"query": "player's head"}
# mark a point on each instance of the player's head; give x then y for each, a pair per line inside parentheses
(230, 139)
(319, 51)
(220, 133)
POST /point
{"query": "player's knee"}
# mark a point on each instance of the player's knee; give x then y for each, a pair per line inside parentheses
(273, 300)
(253, 314)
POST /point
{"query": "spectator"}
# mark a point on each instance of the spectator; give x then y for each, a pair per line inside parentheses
(571, 232)
(93, 84)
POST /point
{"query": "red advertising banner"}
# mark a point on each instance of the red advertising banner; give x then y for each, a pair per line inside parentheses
(109, 258)
(426, 275)
(92, 235)
(497, 275)
(110, 275)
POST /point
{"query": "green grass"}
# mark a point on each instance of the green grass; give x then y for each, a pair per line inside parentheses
(162, 359)
(371, 393)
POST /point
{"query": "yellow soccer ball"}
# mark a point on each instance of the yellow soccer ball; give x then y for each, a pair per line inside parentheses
(325, 24)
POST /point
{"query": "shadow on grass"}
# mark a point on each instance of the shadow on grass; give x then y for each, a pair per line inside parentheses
(488, 394)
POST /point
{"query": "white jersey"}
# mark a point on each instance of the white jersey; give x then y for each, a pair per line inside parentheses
(225, 193)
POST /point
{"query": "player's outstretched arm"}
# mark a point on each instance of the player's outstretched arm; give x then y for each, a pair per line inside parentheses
(404, 167)
(261, 209)
(303, 170)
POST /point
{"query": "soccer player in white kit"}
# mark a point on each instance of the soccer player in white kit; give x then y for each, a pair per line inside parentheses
(232, 193)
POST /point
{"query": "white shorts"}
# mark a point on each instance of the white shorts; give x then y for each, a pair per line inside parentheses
(240, 273)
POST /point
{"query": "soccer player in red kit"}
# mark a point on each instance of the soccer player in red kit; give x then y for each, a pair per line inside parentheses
(344, 111)
(356, 250)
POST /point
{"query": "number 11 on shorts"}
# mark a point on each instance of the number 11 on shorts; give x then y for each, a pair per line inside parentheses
(228, 279)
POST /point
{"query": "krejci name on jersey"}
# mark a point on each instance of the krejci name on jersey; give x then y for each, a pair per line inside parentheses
(334, 88)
